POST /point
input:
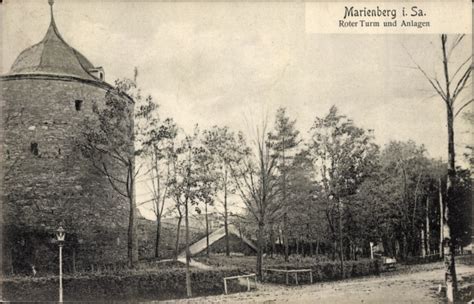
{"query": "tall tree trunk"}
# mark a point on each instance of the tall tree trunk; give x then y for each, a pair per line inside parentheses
(131, 234)
(405, 246)
(285, 215)
(135, 238)
(261, 226)
(207, 231)
(272, 241)
(448, 244)
(341, 252)
(427, 226)
(178, 232)
(422, 242)
(188, 256)
(226, 219)
(309, 240)
(74, 259)
(285, 235)
(241, 236)
(397, 248)
(158, 235)
(441, 220)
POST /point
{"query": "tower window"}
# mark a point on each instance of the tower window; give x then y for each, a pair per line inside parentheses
(78, 104)
(34, 148)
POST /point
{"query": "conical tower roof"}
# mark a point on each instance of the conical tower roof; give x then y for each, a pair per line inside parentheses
(52, 55)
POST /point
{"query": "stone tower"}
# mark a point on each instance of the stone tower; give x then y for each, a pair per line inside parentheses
(46, 182)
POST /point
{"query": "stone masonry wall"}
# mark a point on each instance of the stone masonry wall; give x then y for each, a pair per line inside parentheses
(47, 181)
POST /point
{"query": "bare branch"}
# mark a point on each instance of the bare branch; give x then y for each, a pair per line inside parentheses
(144, 202)
(110, 179)
(137, 170)
(460, 66)
(461, 83)
(438, 88)
(455, 43)
(462, 107)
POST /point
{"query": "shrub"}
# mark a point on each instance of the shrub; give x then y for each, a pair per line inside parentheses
(423, 260)
(327, 271)
(465, 259)
(153, 285)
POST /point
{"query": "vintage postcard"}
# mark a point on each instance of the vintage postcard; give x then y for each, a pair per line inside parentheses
(236, 151)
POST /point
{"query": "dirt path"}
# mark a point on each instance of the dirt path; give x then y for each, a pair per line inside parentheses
(418, 287)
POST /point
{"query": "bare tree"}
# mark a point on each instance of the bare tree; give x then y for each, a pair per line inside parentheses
(450, 90)
(108, 142)
(221, 143)
(190, 184)
(257, 183)
(159, 148)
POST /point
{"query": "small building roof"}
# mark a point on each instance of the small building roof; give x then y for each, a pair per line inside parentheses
(201, 245)
(52, 55)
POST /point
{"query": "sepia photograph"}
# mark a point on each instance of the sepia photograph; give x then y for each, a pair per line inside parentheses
(236, 151)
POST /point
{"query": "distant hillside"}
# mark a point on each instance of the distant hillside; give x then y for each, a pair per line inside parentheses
(146, 231)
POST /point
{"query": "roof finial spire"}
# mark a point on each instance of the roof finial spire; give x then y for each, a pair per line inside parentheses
(51, 3)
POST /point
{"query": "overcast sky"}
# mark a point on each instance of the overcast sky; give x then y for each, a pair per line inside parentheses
(216, 63)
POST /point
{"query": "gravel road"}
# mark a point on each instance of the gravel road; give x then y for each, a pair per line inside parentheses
(414, 287)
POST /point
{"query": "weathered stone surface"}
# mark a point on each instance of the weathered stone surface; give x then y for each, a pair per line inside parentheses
(46, 180)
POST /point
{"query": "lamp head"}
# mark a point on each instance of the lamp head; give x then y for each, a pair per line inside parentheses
(60, 234)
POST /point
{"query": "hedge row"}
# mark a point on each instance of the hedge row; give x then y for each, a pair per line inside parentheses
(157, 285)
(322, 269)
(422, 260)
(465, 259)
(327, 271)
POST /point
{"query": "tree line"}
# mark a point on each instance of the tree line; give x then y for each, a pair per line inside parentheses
(333, 192)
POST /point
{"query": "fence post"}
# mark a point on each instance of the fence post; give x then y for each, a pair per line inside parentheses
(286, 273)
(296, 278)
(225, 286)
(311, 276)
(248, 284)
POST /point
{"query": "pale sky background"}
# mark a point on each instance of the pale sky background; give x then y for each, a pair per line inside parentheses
(221, 63)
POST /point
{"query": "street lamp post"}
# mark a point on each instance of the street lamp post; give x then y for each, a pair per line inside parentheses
(60, 236)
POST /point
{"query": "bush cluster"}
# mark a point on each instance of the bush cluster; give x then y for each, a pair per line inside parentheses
(422, 260)
(244, 263)
(326, 271)
(465, 259)
(153, 285)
